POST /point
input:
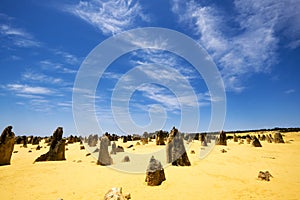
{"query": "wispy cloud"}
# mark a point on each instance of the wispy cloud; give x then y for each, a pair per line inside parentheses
(39, 77)
(109, 16)
(17, 36)
(245, 42)
(57, 67)
(290, 91)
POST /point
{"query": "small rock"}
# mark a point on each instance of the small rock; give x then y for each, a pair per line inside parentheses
(223, 151)
(192, 152)
(126, 159)
(82, 147)
(88, 154)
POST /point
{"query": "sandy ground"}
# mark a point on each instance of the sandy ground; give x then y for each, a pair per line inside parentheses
(231, 175)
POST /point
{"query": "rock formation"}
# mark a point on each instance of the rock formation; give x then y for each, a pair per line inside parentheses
(203, 139)
(248, 139)
(176, 153)
(278, 138)
(7, 140)
(222, 139)
(113, 148)
(116, 194)
(92, 140)
(256, 142)
(160, 138)
(235, 138)
(104, 157)
(144, 141)
(57, 148)
(126, 159)
(119, 149)
(155, 174)
(264, 175)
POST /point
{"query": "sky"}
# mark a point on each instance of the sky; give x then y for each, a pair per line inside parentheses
(254, 44)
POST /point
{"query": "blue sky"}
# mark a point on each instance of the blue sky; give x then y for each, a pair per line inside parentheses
(254, 44)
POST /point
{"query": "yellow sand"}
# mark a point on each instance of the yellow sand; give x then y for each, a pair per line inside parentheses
(231, 175)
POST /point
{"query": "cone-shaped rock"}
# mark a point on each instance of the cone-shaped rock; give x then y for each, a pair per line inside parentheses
(278, 138)
(160, 138)
(104, 157)
(256, 142)
(155, 174)
(57, 148)
(222, 139)
(176, 153)
(7, 141)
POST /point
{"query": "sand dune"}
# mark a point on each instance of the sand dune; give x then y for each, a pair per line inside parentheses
(230, 175)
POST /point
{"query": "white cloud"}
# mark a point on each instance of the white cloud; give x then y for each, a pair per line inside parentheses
(25, 89)
(111, 16)
(246, 42)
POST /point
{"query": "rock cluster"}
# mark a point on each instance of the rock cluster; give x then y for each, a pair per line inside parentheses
(155, 174)
(264, 176)
(7, 140)
(104, 157)
(116, 194)
(57, 148)
(176, 153)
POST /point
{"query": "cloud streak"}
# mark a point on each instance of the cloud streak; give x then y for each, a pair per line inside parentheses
(111, 16)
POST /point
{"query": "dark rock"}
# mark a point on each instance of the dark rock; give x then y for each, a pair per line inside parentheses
(176, 153)
(130, 146)
(144, 141)
(125, 139)
(113, 148)
(24, 140)
(126, 159)
(160, 138)
(104, 158)
(82, 147)
(15, 152)
(35, 141)
(256, 142)
(88, 154)
(192, 152)
(57, 148)
(278, 138)
(222, 139)
(263, 138)
(119, 149)
(155, 174)
(248, 139)
(29, 151)
(38, 147)
(7, 140)
(264, 176)
(223, 151)
(235, 138)
(138, 143)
